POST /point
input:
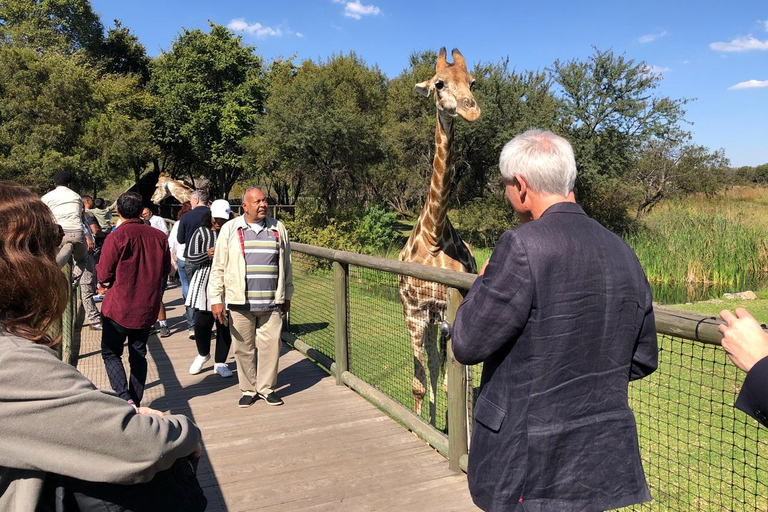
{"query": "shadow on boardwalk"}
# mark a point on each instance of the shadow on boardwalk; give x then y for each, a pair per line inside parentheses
(326, 449)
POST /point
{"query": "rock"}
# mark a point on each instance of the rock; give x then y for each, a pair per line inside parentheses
(747, 295)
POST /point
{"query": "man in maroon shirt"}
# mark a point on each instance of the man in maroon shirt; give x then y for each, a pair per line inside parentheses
(134, 261)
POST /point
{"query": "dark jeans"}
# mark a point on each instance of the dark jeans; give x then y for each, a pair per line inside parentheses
(112, 338)
(204, 321)
(189, 313)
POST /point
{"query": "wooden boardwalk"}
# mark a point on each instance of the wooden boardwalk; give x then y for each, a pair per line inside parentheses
(326, 449)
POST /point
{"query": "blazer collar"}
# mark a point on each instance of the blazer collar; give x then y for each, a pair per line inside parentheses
(564, 207)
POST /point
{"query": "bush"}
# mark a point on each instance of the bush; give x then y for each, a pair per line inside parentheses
(369, 232)
(482, 221)
(377, 231)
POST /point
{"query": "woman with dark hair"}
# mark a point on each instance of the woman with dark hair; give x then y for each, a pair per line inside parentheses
(55, 425)
(200, 253)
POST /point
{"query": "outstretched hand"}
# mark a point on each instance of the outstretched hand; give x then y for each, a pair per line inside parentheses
(744, 340)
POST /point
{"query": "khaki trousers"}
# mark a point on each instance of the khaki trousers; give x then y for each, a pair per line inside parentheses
(256, 338)
(73, 244)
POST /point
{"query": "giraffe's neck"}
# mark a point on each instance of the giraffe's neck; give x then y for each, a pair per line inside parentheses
(435, 213)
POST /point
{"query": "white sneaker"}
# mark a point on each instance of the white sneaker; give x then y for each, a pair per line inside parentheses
(198, 363)
(222, 369)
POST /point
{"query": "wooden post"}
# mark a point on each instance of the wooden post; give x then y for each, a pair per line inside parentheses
(340, 278)
(457, 393)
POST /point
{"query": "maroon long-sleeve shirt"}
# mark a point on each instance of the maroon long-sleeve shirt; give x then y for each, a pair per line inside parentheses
(134, 261)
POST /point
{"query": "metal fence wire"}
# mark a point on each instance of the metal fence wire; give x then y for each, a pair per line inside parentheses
(699, 453)
(312, 302)
(381, 351)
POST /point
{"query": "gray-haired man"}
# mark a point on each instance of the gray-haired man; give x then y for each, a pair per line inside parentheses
(188, 224)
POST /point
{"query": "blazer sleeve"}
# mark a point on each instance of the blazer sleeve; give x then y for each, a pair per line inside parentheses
(181, 233)
(645, 358)
(496, 309)
(753, 398)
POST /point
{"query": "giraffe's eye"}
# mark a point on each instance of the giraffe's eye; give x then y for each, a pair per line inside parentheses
(471, 85)
(439, 85)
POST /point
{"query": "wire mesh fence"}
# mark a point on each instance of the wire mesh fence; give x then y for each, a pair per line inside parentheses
(381, 348)
(700, 454)
(698, 451)
(312, 306)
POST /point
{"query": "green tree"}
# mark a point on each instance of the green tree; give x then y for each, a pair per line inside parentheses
(209, 93)
(118, 138)
(63, 26)
(322, 126)
(609, 111)
(402, 176)
(45, 103)
(511, 103)
(123, 54)
(672, 167)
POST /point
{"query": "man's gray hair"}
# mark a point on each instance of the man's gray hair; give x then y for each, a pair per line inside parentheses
(544, 159)
(201, 195)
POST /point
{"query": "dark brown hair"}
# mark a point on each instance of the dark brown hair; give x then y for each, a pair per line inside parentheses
(186, 206)
(33, 290)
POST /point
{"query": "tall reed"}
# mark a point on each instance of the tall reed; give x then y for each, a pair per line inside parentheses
(683, 244)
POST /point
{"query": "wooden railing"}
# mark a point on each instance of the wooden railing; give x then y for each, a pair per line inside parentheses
(669, 321)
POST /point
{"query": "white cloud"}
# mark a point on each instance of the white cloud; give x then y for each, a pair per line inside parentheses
(254, 29)
(299, 34)
(357, 10)
(740, 44)
(656, 70)
(649, 38)
(765, 25)
(749, 84)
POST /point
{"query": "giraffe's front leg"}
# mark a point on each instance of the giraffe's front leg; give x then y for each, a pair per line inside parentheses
(419, 385)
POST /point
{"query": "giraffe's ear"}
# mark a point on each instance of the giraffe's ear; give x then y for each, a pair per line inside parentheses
(424, 88)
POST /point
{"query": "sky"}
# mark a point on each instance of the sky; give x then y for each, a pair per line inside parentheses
(714, 52)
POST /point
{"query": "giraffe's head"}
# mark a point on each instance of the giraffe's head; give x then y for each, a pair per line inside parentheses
(452, 85)
(161, 190)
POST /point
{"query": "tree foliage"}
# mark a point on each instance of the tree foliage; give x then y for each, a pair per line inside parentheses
(321, 130)
(62, 26)
(210, 93)
(336, 132)
(608, 111)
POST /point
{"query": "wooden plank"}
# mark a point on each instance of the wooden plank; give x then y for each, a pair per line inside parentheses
(325, 449)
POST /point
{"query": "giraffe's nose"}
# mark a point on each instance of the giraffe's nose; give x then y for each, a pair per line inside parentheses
(468, 103)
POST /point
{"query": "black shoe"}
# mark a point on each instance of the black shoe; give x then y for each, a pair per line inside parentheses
(247, 400)
(272, 399)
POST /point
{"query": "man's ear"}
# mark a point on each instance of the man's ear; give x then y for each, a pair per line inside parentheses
(522, 186)
(424, 88)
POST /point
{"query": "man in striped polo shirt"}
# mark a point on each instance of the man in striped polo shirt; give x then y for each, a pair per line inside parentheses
(251, 273)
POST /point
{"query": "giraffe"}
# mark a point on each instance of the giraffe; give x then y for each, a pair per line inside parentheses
(170, 187)
(434, 241)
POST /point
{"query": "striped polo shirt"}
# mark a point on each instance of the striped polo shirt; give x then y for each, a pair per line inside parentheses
(261, 249)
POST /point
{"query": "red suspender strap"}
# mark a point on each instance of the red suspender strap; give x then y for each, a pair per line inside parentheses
(242, 241)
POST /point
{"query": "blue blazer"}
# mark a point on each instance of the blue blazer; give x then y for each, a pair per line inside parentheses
(562, 320)
(753, 398)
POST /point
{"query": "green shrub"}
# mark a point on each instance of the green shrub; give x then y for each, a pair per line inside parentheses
(377, 231)
(370, 232)
(482, 221)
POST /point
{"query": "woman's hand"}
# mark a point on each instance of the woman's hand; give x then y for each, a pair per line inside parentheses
(210, 253)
